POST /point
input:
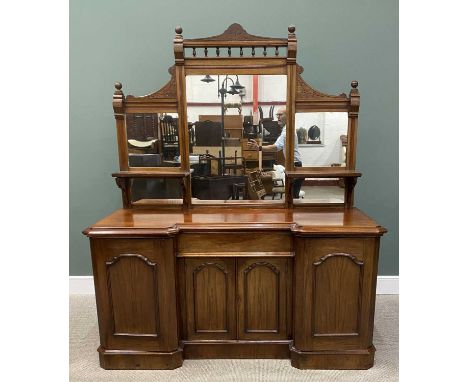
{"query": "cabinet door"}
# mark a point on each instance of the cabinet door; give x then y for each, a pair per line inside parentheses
(135, 293)
(264, 305)
(335, 293)
(210, 297)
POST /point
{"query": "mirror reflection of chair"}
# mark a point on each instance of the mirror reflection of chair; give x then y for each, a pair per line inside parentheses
(233, 165)
(168, 128)
(273, 129)
(255, 187)
(278, 188)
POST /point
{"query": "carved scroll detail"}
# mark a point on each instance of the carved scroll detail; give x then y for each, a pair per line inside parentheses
(259, 264)
(349, 256)
(305, 91)
(207, 264)
(167, 91)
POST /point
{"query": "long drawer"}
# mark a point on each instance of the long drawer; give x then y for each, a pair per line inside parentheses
(235, 244)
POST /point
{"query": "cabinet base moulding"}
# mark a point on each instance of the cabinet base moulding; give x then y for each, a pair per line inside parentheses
(223, 350)
(139, 360)
(320, 360)
(333, 360)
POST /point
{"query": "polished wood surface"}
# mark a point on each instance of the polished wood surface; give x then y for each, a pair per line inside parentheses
(323, 220)
(260, 283)
(264, 298)
(210, 285)
(322, 172)
(135, 292)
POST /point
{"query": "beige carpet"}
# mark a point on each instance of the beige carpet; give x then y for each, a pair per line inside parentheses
(84, 363)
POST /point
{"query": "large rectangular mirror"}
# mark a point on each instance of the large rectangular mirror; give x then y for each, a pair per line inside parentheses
(224, 113)
(153, 139)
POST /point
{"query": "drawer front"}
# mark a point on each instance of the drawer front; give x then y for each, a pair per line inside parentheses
(258, 243)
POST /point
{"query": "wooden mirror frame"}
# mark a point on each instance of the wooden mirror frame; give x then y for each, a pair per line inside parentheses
(300, 97)
(308, 99)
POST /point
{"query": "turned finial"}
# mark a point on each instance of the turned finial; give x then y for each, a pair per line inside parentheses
(354, 84)
(118, 86)
(178, 29)
(291, 29)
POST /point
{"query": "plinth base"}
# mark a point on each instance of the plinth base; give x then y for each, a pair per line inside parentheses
(333, 360)
(139, 360)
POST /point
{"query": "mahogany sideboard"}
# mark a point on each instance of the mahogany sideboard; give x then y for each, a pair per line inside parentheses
(235, 283)
(188, 278)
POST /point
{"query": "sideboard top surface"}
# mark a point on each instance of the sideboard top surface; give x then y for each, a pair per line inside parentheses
(329, 220)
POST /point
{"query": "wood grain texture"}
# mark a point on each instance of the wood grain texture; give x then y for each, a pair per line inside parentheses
(210, 293)
(231, 243)
(192, 279)
(302, 222)
(337, 295)
(333, 360)
(264, 298)
(237, 350)
(133, 290)
(135, 293)
(334, 283)
(317, 291)
(139, 360)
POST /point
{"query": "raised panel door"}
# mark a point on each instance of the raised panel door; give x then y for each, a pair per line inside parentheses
(333, 302)
(263, 298)
(135, 293)
(210, 298)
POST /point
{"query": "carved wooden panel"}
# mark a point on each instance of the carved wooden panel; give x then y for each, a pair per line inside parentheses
(337, 295)
(210, 291)
(133, 291)
(263, 290)
(334, 301)
(309, 99)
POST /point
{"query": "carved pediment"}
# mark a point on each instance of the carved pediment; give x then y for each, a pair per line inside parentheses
(304, 91)
(167, 91)
(235, 32)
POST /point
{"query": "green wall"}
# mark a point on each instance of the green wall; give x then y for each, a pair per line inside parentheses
(131, 42)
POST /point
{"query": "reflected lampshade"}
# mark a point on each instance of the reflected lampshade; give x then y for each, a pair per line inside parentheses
(207, 79)
(237, 85)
